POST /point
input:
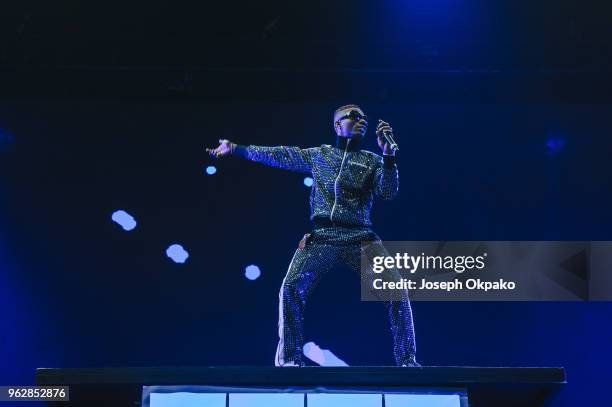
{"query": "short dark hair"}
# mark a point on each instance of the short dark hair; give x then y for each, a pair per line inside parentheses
(346, 107)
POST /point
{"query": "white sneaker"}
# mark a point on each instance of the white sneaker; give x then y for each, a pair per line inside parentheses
(412, 363)
(291, 364)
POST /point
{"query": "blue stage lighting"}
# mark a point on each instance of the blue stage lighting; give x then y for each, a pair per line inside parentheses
(347, 399)
(308, 181)
(211, 169)
(7, 140)
(266, 400)
(124, 219)
(177, 253)
(555, 143)
(323, 357)
(252, 272)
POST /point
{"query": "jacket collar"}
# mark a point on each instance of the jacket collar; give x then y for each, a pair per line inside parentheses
(354, 144)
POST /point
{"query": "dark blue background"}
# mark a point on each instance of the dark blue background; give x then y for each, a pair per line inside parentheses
(109, 106)
(79, 291)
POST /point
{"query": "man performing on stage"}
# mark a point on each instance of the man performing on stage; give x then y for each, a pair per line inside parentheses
(345, 180)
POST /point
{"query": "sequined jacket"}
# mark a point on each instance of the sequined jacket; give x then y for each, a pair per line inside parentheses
(344, 182)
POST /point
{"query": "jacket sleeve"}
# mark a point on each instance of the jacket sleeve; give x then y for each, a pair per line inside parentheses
(386, 178)
(285, 157)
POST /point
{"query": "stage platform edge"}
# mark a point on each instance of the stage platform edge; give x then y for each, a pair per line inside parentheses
(485, 386)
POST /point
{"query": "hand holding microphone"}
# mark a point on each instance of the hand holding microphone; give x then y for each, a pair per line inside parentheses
(384, 132)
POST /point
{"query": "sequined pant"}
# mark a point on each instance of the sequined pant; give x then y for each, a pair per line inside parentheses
(318, 252)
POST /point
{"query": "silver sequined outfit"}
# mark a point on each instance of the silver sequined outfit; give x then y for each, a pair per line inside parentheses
(344, 181)
(344, 185)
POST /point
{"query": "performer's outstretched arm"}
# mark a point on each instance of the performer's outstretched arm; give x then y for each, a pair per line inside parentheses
(285, 157)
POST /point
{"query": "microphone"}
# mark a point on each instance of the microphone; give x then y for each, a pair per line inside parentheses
(387, 135)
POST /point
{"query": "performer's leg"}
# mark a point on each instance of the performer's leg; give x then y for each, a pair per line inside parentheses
(399, 310)
(306, 268)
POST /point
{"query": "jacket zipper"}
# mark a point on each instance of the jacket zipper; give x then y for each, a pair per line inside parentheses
(336, 181)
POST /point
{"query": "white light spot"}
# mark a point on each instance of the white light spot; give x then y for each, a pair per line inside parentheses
(252, 272)
(322, 357)
(124, 219)
(177, 253)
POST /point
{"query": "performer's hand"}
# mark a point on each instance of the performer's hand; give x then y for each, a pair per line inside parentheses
(382, 142)
(226, 147)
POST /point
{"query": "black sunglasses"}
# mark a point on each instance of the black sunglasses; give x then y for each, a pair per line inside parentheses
(355, 115)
